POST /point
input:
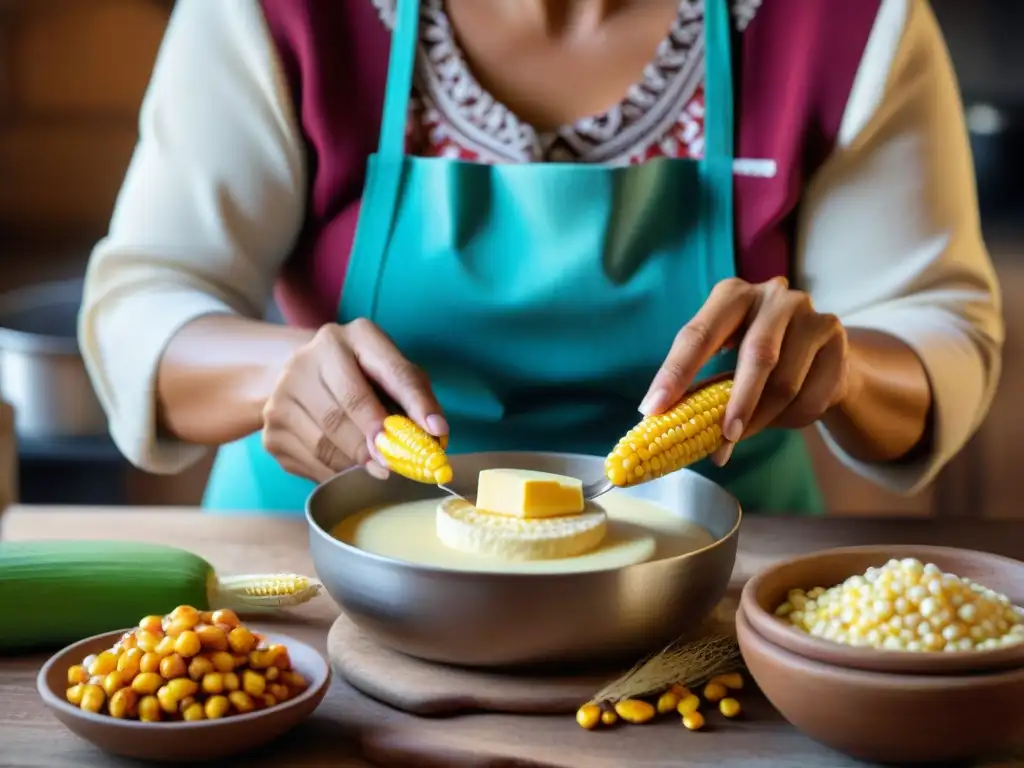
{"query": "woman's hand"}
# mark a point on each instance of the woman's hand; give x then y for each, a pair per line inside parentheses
(793, 362)
(324, 412)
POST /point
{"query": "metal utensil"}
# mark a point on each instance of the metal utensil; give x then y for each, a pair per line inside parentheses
(490, 619)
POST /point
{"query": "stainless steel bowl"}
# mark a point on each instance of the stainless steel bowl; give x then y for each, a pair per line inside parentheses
(496, 619)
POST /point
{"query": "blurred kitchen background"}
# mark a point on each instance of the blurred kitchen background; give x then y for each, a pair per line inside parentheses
(72, 75)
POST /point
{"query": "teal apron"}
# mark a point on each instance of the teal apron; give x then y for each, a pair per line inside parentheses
(541, 298)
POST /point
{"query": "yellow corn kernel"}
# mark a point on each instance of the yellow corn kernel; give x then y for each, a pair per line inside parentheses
(93, 698)
(129, 663)
(268, 700)
(279, 692)
(241, 640)
(223, 661)
(412, 452)
(123, 703)
(272, 674)
(173, 666)
(147, 683)
(103, 664)
(694, 721)
(609, 717)
(688, 704)
(150, 662)
(212, 638)
(74, 694)
(187, 644)
(77, 674)
(733, 681)
(293, 680)
(112, 682)
(253, 683)
(193, 712)
(213, 683)
(662, 444)
(588, 716)
(171, 694)
(149, 709)
(261, 659)
(634, 711)
(279, 657)
(231, 681)
(729, 707)
(667, 702)
(186, 615)
(147, 641)
(152, 624)
(166, 646)
(226, 616)
(241, 701)
(216, 707)
(680, 690)
(199, 667)
(714, 692)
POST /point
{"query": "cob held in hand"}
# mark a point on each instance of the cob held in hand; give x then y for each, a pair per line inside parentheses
(666, 442)
(412, 452)
(57, 592)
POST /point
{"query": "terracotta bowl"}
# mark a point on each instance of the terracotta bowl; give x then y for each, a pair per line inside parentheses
(767, 590)
(887, 718)
(182, 741)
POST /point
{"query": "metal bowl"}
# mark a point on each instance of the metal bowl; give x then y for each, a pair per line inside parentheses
(504, 620)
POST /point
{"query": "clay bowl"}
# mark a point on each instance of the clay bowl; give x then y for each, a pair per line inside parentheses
(767, 590)
(887, 718)
(180, 741)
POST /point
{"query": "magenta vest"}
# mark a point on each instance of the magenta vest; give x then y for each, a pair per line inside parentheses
(796, 67)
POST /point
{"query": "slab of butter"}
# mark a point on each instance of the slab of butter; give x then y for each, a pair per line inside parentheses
(528, 494)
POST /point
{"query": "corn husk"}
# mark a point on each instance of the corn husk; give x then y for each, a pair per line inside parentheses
(686, 661)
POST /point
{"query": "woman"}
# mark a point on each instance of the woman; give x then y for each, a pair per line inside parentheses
(564, 214)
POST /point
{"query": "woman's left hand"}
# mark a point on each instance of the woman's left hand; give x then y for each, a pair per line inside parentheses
(792, 363)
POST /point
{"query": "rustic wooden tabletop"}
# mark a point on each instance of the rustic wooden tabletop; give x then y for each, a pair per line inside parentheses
(351, 730)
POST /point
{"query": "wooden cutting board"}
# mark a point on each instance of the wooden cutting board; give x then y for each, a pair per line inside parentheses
(424, 688)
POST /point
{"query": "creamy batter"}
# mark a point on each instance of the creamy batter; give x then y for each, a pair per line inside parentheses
(638, 531)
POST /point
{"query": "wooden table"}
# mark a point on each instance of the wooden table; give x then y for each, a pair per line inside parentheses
(350, 730)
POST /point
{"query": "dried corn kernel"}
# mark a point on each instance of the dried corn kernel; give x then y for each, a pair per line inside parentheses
(193, 712)
(715, 692)
(77, 674)
(149, 709)
(688, 704)
(93, 698)
(693, 721)
(608, 717)
(733, 681)
(74, 694)
(173, 666)
(241, 701)
(150, 662)
(667, 702)
(588, 716)
(906, 605)
(634, 711)
(729, 707)
(123, 703)
(187, 644)
(212, 638)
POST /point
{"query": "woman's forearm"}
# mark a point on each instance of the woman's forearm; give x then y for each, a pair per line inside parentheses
(886, 414)
(218, 372)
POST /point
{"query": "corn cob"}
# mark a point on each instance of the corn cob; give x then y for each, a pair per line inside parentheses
(413, 453)
(661, 444)
(56, 592)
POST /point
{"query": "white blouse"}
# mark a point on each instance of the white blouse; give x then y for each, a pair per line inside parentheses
(888, 239)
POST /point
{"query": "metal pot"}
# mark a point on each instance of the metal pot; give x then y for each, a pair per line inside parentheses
(509, 619)
(41, 370)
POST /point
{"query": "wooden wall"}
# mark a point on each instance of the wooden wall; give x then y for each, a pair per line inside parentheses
(72, 75)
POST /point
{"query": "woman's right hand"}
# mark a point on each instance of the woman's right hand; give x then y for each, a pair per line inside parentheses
(324, 414)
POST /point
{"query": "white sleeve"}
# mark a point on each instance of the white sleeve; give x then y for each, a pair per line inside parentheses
(889, 235)
(210, 207)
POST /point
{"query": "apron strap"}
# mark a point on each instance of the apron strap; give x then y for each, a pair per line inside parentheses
(401, 63)
(718, 127)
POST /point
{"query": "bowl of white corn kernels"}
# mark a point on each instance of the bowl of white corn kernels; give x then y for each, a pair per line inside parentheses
(892, 654)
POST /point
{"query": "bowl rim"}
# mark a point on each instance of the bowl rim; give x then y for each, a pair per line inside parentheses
(56, 702)
(353, 550)
(913, 663)
(862, 677)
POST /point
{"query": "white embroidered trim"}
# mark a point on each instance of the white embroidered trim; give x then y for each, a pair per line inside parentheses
(461, 111)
